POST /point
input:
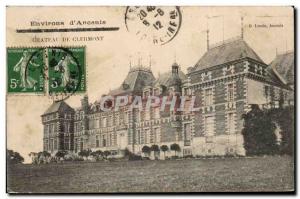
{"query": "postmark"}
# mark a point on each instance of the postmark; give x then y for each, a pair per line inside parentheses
(156, 24)
(66, 70)
(25, 69)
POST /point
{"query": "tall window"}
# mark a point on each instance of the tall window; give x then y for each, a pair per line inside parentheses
(147, 115)
(104, 122)
(138, 138)
(96, 123)
(156, 135)
(137, 116)
(156, 112)
(209, 126)
(151, 136)
(81, 144)
(208, 97)
(231, 123)
(156, 91)
(146, 136)
(75, 145)
(66, 144)
(103, 141)
(142, 140)
(230, 92)
(187, 131)
(146, 94)
(97, 141)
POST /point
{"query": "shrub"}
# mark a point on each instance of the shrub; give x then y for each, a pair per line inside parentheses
(146, 150)
(13, 157)
(258, 133)
(175, 147)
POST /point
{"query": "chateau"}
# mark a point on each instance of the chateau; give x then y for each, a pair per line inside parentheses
(226, 81)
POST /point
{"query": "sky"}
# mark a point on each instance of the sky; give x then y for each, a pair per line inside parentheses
(108, 60)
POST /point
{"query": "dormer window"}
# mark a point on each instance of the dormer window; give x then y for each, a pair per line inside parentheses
(156, 91)
(146, 93)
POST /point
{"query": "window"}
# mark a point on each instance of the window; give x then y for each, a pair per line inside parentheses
(96, 123)
(81, 144)
(147, 115)
(138, 138)
(111, 118)
(46, 145)
(231, 123)
(103, 141)
(156, 135)
(156, 112)
(146, 94)
(151, 137)
(142, 140)
(137, 116)
(117, 118)
(208, 97)
(209, 126)
(126, 117)
(230, 92)
(146, 136)
(67, 127)
(66, 144)
(156, 91)
(75, 145)
(97, 141)
(185, 91)
(187, 131)
(104, 122)
(51, 144)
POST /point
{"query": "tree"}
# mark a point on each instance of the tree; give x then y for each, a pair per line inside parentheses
(85, 153)
(146, 150)
(175, 147)
(258, 132)
(164, 148)
(46, 154)
(106, 153)
(13, 157)
(60, 154)
(96, 154)
(284, 118)
(154, 148)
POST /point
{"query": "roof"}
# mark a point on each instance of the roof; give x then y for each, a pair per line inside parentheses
(57, 106)
(283, 67)
(137, 78)
(167, 78)
(272, 77)
(229, 51)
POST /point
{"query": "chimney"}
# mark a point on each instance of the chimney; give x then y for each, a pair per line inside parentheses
(85, 103)
(242, 27)
(207, 39)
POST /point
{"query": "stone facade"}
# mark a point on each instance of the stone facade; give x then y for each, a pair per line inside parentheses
(224, 89)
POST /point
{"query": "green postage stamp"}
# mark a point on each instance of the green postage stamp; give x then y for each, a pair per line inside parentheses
(25, 68)
(53, 70)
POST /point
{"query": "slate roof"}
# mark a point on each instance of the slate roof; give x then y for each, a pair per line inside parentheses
(57, 106)
(137, 78)
(283, 65)
(167, 79)
(224, 53)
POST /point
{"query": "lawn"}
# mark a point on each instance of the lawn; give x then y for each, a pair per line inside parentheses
(191, 175)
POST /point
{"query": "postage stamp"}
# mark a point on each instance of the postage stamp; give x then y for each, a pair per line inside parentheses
(66, 70)
(156, 24)
(25, 69)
